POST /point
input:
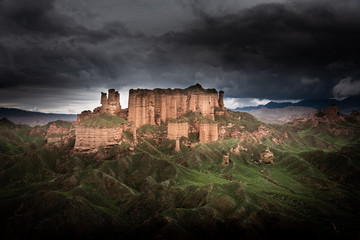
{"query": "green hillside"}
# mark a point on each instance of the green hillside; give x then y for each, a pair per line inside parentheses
(102, 120)
(312, 189)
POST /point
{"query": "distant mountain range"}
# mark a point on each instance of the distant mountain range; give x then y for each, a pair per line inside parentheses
(345, 106)
(19, 116)
(282, 115)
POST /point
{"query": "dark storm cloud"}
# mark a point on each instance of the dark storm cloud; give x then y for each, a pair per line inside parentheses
(45, 49)
(275, 45)
(250, 49)
(33, 17)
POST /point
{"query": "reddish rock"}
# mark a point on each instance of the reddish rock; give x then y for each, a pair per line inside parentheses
(84, 115)
(177, 130)
(238, 149)
(226, 159)
(277, 141)
(208, 132)
(177, 145)
(267, 156)
(57, 134)
(340, 131)
(109, 104)
(221, 100)
(355, 115)
(158, 105)
(91, 139)
(332, 115)
(262, 132)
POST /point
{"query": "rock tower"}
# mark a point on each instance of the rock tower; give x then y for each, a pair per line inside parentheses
(158, 105)
(110, 104)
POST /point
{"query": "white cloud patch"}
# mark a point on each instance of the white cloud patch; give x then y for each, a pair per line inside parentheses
(233, 103)
(309, 80)
(346, 87)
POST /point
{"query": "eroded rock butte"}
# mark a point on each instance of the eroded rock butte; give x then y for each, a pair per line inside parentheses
(152, 107)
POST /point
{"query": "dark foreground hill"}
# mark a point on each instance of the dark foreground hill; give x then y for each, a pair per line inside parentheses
(19, 116)
(149, 191)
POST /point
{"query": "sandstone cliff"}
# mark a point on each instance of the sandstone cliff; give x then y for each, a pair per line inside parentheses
(152, 107)
(102, 130)
(177, 130)
(59, 132)
(208, 132)
(158, 105)
(88, 138)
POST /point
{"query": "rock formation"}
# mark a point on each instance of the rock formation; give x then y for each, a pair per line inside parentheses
(91, 139)
(177, 145)
(267, 156)
(84, 115)
(237, 150)
(158, 105)
(177, 130)
(262, 132)
(333, 112)
(109, 104)
(331, 115)
(152, 107)
(221, 100)
(208, 132)
(226, 159)
(58, 133)
(355, 115)
(101, 130)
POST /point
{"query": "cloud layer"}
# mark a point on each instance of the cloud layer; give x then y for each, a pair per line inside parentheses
(254, 49)
(347, 87)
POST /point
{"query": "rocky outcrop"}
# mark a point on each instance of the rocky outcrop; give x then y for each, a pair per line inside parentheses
(84, 115)
(158, 105)
(355, 115)
(102, 130)
(237, 150)
(340, 131)
(262, 132)
(277, 141)
(221, 100)
(109, 104)
(152, 107)
(331, 115)
(226, 159)
(208, 132)
(267, 156)
(177, 130)
(177, 145)
(59, 133)
(91, 139)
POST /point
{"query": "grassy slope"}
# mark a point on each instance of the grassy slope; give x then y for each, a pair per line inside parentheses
(103, 120)
(307, 191)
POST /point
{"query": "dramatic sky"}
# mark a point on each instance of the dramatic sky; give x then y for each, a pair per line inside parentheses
(57, 55)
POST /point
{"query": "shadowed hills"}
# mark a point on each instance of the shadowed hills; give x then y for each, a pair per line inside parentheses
(153, 192)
